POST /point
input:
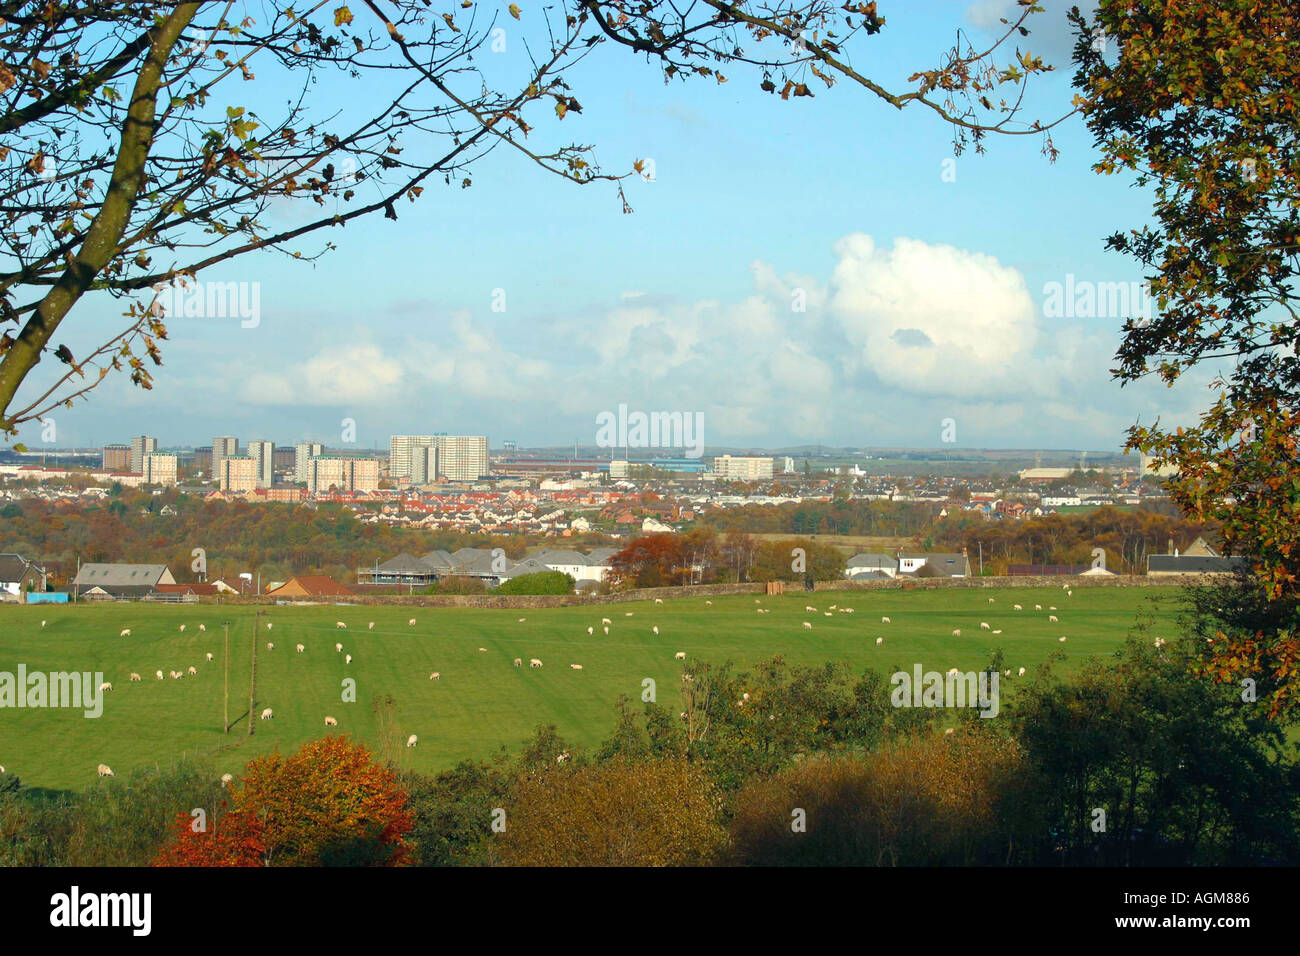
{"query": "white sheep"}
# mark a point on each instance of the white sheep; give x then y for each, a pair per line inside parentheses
(42, 623)
(534, 662)
(879, 641)
(435, 675)
(204, 628)
(998, 631)
(519, 662)
(827, 614)
(576, 667)
(340, 625)
(679, 656)
(655, 628)
(181, 628)
(158, 674)
(885, 620)
(177, 675)
(659, 600)
(300, 648)
(990, 600)
(412, 740)
(126, 632)
(591, 630)
(107, 685)
(411, 622)
(270, 645)
(984, 625)
(1051, 607)
(628, 614)
(1016, 607)
(226, 779)
(606, 630)
(1052, 619)
(268, 625)
(1069, 594)
(347, 659)
(266, 714)
(371, 626)
(209, 657)
(708, 604)
(193, 670)
(606, 621)
(134, 677)
(105, 770)
(482, 650)
(522, 620)
(956, 632)
(807, 625)
(1038, 607)
(1061, 639)
(810, 608)
(331, 722)
(1021, 672)
(338, 648)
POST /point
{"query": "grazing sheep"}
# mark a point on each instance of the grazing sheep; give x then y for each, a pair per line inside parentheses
(158, 674)
(412, 740)
(659, 600)
(340, 625)
(1160, 642)
(591, 630)
(107, 685)
(655, 628)
(1052, 619)
(193, 670)
(338, 648)
(435, 675)
(948, 731)
(952, 670)
(828, 614)
(181, 628)
(534, 662)
(126, 632)
(266, 714)
(1051, 607)
(606, 621)
(268, 625)
(1038, 607)
(1061, 639)
(810, 609)
(519, 662)
(990, 600)
(849, 610)
(1016, 607)
(998, 631)
(885, 620)
(270, 646)
(134, 677)
(522, 619)
(576, 667)
(204, 628)
(2, 769)
(879, 641)
(833, 607)
(984, 625)
(708, 604)
(606, 630)
(1021, 672)
(1069, 594)
(679, 656)
(177, 675)
(956, 632)
(105, 770)
(226, 779)
(628, 614)
(807, 626)
(371, 626)
(411, 622)
(209, 657)
(482, 650)
(300, 648)
(331, 722)
(347, 658)
(562, 757)
(42, 625)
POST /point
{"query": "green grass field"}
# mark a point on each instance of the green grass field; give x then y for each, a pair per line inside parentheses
(482, 701)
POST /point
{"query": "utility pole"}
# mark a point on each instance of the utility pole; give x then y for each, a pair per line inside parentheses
(981, 544)
(252, 673)
(225, 695)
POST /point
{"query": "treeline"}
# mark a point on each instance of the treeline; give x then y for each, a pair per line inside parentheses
(701, 556)
(1127, 537)
(778, 765)
(843, 515)
(279, 540)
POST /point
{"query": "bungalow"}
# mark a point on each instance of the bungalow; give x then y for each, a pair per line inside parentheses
(1166, 564)
(871, 566)
(18, 576)
(114, 582)
(934, 565)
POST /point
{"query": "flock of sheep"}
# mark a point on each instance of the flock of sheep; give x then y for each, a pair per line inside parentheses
(605, 623)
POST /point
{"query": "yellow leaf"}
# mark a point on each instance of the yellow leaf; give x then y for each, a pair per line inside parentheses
(514, 10)
(560, 109)
(342, 16)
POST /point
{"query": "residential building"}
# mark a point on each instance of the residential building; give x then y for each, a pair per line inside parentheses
(734, 468)
(871, 566)
(424, 464)
(462, 457)
(223, 447)
(159, 470)
(311, 585)
(342, 474)
(114, 581)
(18, 576)
(117, 458)
(304, 452)
(263, 455)
(934, 565)
(401, 450)
(144, 445)
(237, 474)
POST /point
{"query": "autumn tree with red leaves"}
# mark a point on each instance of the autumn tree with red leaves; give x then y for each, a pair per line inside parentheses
(329, 804)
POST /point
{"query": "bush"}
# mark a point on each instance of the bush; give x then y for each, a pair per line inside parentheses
(544, 582)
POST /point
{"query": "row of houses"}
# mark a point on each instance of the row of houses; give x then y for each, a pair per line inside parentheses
(487, 564)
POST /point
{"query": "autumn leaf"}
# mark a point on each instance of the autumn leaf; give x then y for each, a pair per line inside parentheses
(342, 16)
(514, 10)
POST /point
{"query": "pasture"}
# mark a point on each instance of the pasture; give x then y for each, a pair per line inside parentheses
(481, 702)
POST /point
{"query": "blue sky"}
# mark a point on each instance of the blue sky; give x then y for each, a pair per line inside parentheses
(925, 297)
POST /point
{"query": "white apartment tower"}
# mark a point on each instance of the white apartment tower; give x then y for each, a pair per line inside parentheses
(159, 470)
(223, 447)
(303, 453)
(263, 455)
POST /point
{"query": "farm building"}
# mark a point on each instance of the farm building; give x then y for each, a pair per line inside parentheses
(114, 582)
(311, 585)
